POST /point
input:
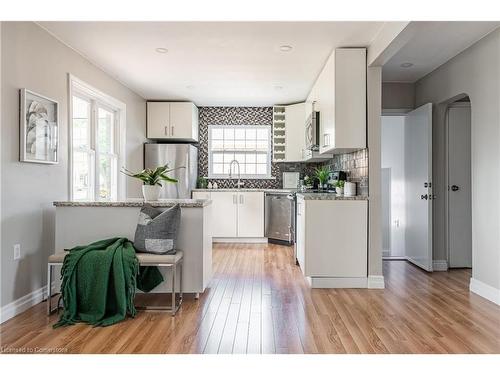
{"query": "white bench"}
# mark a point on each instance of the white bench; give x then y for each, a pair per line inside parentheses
(158, 260)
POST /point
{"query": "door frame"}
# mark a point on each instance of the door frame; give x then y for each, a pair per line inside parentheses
(454, 104)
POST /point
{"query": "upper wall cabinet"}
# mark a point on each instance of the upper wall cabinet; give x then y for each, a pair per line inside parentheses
(339, 94)
(172, 120)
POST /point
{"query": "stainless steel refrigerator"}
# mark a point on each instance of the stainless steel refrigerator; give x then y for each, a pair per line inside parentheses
(175, 155)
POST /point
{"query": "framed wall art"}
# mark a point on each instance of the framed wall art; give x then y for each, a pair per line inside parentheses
(39, 122)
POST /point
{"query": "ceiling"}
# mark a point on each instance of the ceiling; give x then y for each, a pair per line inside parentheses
(214, 63)
(431, 45)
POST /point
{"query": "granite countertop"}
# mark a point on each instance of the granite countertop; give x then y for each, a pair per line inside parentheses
(331, 196)
(250, 190)
(136, 203)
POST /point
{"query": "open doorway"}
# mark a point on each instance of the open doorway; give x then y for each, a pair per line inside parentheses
(458, 196)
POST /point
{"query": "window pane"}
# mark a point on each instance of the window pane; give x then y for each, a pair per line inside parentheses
(229, 134)
(239, 134)
(262, 134)
(217, 145)
(251, 144)
(105, 130)
(228, 157)
(81, 176)
(262, 145)
(261, 168)
(217, 158)
(239, 157)
(81, 123)
(217, 133)
(250, 169)
(229, 144)
(239, 144)
(217, 169)
(262, 158)
(251, 133)
(251, 158)
(107, 171)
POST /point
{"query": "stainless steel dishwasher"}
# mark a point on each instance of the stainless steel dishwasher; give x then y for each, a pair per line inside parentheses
(280, 217)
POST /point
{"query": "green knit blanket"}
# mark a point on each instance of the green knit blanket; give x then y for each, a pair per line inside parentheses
(99, 282)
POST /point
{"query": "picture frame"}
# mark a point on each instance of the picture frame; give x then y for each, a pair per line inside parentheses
(39, 128)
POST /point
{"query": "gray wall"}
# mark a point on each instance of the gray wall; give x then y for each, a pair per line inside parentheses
(475, 72)
(398, 95)
(33, 59)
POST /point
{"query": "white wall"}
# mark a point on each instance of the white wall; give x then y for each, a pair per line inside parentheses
(33, 59)
(475, 72)
(398, 95)
(393, 158)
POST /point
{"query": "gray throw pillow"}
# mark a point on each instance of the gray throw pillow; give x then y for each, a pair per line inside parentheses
(157, 231)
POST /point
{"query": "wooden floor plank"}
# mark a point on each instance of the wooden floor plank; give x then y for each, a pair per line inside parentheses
(259, 302)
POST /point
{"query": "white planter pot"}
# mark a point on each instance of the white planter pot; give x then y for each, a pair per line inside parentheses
(151, 192)
(339, 190)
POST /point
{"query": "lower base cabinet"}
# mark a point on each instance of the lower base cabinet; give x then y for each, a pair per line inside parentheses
(332, 239)
(236, 214)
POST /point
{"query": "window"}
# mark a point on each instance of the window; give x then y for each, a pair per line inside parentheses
(95, 144)
(248, 144)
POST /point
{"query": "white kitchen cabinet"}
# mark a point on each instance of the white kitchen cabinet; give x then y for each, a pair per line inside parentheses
(172, 120)
(332, 242)
(250, 214)
(300, 234)
(339, 94)
(235, 214)
(295, 138)
(224, 214)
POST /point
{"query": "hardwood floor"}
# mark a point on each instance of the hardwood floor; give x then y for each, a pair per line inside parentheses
(258, 302)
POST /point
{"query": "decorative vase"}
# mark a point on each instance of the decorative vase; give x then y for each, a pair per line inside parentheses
(151, 192)
(339, 190)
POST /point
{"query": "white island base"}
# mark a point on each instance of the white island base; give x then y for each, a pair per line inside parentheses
(81, 223)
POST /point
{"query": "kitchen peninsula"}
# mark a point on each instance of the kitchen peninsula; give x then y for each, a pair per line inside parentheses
(80, 223)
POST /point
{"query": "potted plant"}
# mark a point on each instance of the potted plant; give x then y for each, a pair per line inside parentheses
(322, 174)
(152, 180)
(339, 187)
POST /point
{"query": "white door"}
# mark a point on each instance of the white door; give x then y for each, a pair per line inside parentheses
(158, 120)
(459, 187)
(181, 120)
(418, 167)
(251, 214)
(225, 214)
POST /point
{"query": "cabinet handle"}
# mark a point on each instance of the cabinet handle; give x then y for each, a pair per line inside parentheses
(166, 130)
(172, 130)
(235, 199)
(241, 199)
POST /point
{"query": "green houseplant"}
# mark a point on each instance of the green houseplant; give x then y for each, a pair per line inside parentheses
(322, 174)
(152, 180)
(339, 187)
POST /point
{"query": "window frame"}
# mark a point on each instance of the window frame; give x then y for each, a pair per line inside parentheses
(268, 153)
(98, 99)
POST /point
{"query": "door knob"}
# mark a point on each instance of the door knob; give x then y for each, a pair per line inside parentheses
(454, 188)
(424, 197)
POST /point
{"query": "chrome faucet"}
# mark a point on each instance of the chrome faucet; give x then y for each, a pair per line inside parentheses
(239, 183)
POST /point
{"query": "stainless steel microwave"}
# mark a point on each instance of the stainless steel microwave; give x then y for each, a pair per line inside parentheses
(312, 131)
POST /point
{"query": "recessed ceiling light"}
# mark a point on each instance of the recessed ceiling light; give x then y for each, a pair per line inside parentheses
(406, 65)
(285, 48)
(190, 87)
(161, 50)
(278, 87)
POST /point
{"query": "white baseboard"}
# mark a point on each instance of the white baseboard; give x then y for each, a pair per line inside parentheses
(336, 282)
(239, 240)
(484, 290)
(22, 304)
(376, 282)
(440, 265)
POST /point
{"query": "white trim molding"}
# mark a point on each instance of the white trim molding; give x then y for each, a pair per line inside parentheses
(376, 282)
(336, 282)
(22, 304)
(440, 265)
(484, 290)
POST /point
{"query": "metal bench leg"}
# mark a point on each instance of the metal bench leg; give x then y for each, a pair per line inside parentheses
(174, 305)
(49, 288)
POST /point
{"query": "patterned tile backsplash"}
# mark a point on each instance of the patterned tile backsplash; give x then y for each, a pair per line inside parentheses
(356, 163)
